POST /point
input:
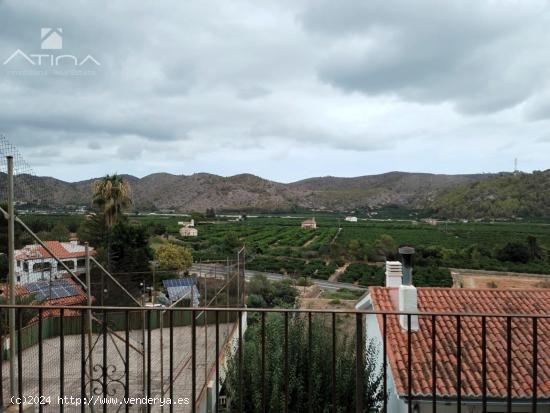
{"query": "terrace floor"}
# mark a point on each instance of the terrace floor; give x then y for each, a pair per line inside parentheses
(160, 367)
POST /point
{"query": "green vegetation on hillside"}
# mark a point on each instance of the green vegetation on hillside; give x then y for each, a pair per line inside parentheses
(506, 196)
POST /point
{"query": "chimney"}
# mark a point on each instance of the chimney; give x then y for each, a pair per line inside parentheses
(407, 253)
(408, 299)
(394, 273)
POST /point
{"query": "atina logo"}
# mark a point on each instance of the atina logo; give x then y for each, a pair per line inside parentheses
(51, 39)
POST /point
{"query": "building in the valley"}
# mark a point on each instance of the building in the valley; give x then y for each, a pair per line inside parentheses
(189, 232)
(430, 221)
(188, 229)
(34, 263)
(190, 223)
(350, 219)
(400, 295)
(309, 224)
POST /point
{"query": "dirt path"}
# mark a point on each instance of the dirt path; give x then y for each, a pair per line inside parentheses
(339, 271)
(336, 236)
(464, 280)
(310, 241)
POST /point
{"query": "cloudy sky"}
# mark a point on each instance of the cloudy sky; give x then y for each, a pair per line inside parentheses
(285, 89)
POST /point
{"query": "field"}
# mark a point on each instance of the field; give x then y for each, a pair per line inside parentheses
(279, 244)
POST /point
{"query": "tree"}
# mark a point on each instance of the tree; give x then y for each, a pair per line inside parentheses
(59, 232)
(27, 314)
(514, 252)
(197, 216)
(265, 293)
(231, 241)
(535, 251)
(300, 361)
(355, 250)
(129, 247)
(112, 196)
(174, 257)
(386, 246)
(210, 213)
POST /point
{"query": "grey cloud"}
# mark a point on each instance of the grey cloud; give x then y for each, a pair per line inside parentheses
(480, 58)
(130, 152)
(212, 81)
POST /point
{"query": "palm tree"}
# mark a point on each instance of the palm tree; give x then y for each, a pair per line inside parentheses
(111, 195)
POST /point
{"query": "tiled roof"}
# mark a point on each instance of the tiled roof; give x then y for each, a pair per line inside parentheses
(463, 301)
(60, 249)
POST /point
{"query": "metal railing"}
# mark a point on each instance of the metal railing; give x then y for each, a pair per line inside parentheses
(195, 369)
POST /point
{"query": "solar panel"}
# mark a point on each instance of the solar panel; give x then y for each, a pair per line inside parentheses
(46, 290)
(179, 282)
(178, 288)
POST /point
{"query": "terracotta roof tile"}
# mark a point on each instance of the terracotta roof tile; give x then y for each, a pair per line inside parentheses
(60, 249)
(463, 301)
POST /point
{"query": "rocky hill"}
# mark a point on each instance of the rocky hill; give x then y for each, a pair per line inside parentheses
(183, 193)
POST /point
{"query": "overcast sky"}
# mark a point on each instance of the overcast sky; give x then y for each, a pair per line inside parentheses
(285, 89)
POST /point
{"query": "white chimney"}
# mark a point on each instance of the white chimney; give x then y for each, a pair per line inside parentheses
(394, 273)
(408, 303)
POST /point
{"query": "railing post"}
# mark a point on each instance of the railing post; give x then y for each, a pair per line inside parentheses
(20, 359)
(458, 364)
(11, 273)
(359, 363)
(89, 317)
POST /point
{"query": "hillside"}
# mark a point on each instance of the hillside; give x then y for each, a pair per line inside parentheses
(504, 196)
(184, 193)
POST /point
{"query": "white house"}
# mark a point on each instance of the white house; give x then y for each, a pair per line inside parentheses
(188, 229)
(406, 298)
(189, 232)
(309, 224)
(350, 219)
(187, 223)
(34, 263)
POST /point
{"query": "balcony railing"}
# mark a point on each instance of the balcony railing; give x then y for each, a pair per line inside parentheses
(116, 358)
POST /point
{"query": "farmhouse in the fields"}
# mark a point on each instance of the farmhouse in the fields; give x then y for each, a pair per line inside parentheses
(400, 295)
(309, 224)
(188, 229)
(187, 223)
(350, 219)
(34, 263)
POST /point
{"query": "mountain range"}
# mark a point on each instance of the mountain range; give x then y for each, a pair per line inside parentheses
(185, 193)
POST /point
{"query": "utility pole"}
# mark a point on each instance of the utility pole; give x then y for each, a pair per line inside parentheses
(11, 273)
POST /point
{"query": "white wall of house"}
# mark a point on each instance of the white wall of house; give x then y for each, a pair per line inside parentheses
(208, 403)
(29, 270)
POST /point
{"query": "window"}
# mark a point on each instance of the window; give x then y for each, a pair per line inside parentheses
(42, 266)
